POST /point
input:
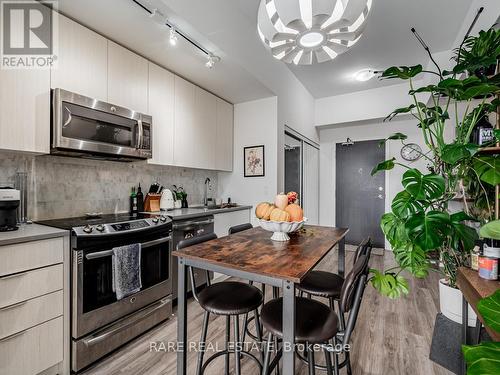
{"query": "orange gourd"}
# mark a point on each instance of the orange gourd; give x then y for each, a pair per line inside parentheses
(279, 215)
(260, 210)
(295, 211)
(281, 201)
(267, 212)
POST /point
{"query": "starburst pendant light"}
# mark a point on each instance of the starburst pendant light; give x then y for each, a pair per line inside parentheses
(311, 31)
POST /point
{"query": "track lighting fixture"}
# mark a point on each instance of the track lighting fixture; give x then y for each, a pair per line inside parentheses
(173, 37)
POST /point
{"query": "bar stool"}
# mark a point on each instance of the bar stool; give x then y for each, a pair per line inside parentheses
(229, 299)
(316, 323)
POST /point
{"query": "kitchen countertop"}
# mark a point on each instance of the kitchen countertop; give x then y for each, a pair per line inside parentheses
(195, 212)
(30, 232)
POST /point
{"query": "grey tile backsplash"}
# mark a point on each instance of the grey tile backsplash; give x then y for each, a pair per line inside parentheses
(65, 187)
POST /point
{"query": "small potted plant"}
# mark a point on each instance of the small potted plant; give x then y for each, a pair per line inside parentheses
(180, 196)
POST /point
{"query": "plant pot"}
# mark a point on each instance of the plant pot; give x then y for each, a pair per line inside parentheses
(178, 204)
(184, 203)
(450, 303)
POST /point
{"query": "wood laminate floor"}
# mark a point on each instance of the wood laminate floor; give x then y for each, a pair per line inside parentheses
(391, 337)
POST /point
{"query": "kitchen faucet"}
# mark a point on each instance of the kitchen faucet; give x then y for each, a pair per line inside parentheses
(205, 193)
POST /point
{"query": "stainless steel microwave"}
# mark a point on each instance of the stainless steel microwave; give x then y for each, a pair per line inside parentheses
(87, 127)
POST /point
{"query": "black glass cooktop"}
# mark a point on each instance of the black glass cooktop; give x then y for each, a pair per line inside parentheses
(72, 222)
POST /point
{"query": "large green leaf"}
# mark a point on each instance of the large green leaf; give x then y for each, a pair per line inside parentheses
(393, 137)
(405, 204)
(428, 230)
(389, 284)
(383, 166)
(402, 72)
(463, 236)
(430, 186)
(489, 308)
(413, 259)
(394, 229)
(488, 169)
(453, 153)
(482, 359)
(491, 230)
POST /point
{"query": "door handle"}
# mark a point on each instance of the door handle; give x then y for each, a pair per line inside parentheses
(141, 134)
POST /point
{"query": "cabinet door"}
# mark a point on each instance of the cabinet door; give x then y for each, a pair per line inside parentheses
(311, 184)
(184, 123)
(206, 128)
(25, 110)
(82, 61)
(161, 107)
(224, 142)
(127, 78)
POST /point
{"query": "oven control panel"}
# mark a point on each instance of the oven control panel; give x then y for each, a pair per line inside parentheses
(121, 227)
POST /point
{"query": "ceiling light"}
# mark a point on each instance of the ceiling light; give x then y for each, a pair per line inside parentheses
(212, 60)
(364, 75)
(317, 30)
(173, 36)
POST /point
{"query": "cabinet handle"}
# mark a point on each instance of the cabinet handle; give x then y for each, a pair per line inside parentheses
(13, 276)
(13, 306)
(12, 336)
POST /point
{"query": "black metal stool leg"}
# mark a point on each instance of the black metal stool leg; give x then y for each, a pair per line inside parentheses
(228, 338)
(335, 357)
(328, 362)
(348, 359)
(310, 359)
(245, 328)
(277, 371)
(267, 355)
(237, 345)
(259, 330)
(203, 340)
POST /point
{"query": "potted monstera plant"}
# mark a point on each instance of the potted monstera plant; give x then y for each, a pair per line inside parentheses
(420, 227)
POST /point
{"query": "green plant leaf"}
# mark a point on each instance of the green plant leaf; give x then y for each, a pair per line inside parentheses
(488, 169)
(394, 229)
(399, 111)
(430, 186)
(491, 230)
(479, 90)
(402, 72)
(482, 359)
(388, 284)
(460, 216)
(428, 230)
(393, 137)
(455, 152)
(404, 205)
(489, 308)
(463, 236)
(413, 259)
(383, 166)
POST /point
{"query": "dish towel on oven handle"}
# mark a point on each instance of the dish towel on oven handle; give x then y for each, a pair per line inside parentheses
(126, 265)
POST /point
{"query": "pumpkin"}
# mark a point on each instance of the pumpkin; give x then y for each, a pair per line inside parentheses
(266, 211)
(261, 209)
(295, 211)
(279, 215)
(281, 201)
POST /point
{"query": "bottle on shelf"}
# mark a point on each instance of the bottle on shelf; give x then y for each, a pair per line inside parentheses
(483, 134)
(140, 199)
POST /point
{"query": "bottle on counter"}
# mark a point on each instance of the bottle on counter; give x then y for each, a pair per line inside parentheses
(133, 201)
(140, 199)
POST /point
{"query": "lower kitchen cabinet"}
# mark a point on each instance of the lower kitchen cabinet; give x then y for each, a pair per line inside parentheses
(34, 306)
(226, 220)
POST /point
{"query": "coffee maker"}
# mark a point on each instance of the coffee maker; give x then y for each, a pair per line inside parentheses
(9, 202)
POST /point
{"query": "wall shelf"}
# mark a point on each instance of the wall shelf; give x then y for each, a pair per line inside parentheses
(490, 150)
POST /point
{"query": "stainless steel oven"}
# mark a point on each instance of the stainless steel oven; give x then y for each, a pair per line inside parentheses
(87, 127)
(100, 322)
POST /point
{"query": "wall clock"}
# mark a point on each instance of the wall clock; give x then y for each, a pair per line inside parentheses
(411, 152)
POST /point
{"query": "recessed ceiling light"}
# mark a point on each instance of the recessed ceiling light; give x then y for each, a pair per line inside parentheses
(212, 60)
(364, 75)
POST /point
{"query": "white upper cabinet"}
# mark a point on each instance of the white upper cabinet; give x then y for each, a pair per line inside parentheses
(82, 63)
(184, 128)
(206, 129)
(161, 107)
(127, 78)
(224, 142)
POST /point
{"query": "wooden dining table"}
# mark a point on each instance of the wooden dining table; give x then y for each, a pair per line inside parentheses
(252, 255)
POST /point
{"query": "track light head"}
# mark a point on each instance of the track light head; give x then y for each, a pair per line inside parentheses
(173, 37)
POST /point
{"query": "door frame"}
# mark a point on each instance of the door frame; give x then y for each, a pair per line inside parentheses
(334, 182)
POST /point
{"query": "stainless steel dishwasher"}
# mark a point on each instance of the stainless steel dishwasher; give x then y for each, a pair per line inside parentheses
(190, 228)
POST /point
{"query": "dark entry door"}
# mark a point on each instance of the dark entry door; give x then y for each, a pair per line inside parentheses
(360, 198)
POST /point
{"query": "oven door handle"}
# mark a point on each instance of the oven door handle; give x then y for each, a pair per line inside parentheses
(105, 253)
(141, 134)
(138, 318)
(190, 223)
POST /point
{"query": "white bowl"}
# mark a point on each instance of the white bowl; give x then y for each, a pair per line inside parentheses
(281, 229)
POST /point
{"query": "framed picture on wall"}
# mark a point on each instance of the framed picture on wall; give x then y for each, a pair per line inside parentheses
(254, 161)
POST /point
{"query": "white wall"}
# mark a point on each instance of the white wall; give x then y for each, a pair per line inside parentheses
(255, 123)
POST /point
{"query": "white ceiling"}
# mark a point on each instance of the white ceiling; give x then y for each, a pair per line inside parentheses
(228, 28)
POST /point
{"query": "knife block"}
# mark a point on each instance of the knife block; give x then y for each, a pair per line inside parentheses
(152, 202)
